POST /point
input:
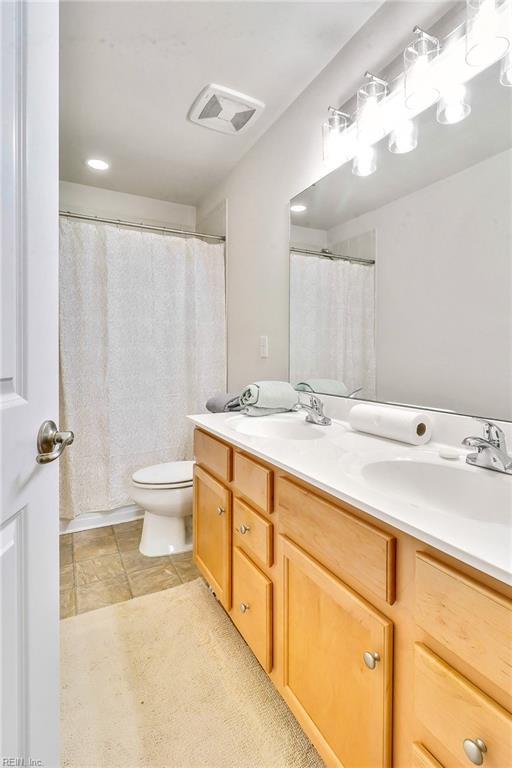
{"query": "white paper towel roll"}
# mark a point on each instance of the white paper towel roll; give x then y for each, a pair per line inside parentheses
(408, 426)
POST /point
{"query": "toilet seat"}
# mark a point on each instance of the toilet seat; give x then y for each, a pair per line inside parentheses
(173, 474)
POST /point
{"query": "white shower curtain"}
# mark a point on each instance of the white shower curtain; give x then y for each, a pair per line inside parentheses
(142, 344)
(332, 318)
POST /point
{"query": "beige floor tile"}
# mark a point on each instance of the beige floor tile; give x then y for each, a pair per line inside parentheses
(94, 543)
(66, 549)
(133, 560)
(128, 535)
(98, 569)
(67, 577)
(67, 603)
(153, 579)
(102, 593)
(185, 568)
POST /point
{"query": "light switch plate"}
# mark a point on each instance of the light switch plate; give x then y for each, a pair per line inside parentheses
(263, 346)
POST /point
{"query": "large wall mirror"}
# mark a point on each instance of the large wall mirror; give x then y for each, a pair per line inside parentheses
(401, 281)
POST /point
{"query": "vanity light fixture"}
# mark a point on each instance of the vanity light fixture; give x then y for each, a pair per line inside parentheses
(485, 41)
(506, 70)
(97, 165)
(404, 136)
(369, 117)
(333, 131)
(298, 208)
(453, 105)
(420, 90)
(365, 161)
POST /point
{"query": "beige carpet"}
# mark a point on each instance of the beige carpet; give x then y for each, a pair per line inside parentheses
(166, 680)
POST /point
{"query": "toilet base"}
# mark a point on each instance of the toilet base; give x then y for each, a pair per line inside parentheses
(164, 535)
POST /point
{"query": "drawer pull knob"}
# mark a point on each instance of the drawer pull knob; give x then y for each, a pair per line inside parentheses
(475, 749)
(220, 510)
(244, 528)
(244, 607)
(371, 658)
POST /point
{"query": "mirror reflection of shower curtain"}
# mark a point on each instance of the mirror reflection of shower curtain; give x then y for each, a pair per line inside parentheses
(332, 322)
(142, 343)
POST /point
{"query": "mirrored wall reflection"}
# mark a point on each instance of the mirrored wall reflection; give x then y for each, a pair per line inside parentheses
(430, 322)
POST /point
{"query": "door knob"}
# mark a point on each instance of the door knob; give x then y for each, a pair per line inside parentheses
(51, 442)
(220, 510)
(244, 528)
(244, 607)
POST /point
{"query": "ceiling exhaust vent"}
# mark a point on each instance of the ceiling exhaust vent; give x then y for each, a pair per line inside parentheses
(222, 109)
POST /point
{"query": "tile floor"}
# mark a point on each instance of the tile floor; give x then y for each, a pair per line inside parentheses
(103, 566)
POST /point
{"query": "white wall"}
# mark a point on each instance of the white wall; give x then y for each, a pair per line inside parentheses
(443, 282)
(286, 160)
(81, 198)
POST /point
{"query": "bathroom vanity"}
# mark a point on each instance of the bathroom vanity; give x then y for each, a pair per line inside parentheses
(388, 649)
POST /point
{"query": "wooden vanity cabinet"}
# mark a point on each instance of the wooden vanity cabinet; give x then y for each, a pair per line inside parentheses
(387, 651)
(212, 533)
(337, 663)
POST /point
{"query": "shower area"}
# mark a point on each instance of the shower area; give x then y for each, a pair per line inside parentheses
(142, 344)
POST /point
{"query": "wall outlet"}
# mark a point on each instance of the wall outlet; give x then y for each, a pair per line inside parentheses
(263, 346)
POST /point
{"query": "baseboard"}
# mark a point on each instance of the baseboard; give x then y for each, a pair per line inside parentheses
(101, 519)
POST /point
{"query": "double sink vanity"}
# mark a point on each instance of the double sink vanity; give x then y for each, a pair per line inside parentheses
(372, 581)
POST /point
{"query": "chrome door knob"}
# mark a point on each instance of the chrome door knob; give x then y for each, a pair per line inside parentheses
(371, 658)
(220, 510)
(475, 749)
(244, 607)
(244, 528)
(51, 443)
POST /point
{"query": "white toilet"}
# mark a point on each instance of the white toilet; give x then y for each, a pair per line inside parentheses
(164, 491)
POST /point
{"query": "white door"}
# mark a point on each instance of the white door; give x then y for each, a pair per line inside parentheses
(29, 515)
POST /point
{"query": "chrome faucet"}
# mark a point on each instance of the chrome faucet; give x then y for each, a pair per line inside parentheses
(491, 449)
(314, 408)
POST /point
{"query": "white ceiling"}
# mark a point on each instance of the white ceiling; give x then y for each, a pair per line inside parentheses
(131, 70)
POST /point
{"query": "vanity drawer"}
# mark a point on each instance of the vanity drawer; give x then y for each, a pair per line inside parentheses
(213, 455)
(452, 709)
(421, 758)
(470, 620)
(252, 607)
(349, 547)
(252, 532)
(253, 481)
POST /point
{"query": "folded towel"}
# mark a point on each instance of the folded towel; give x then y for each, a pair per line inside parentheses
(253, 410)
(223, 402)
(323, 386)
(270, 394)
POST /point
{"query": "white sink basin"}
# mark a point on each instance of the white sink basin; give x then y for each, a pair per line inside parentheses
(288, 426)
(451, 488)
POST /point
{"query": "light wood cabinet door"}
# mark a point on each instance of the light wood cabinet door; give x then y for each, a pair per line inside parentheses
(252, 607)
(343, 704)
(212, 534)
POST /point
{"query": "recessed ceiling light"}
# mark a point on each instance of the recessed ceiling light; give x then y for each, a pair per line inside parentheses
(298, 208)
(97, 165)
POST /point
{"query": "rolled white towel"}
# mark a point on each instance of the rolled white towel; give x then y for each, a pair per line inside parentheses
(270, 394)
(408, 426)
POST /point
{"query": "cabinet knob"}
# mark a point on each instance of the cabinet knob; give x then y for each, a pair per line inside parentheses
(371, 658)
(220, 510)
(244, 607)
(244, 528)
(475, 749)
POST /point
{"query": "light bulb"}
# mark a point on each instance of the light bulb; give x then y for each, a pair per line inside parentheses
(484, 41)
(453, 105)
(298, 208)
(365, 162)
(97, 165)
(404, 137)
(369, 118)
(420, 90)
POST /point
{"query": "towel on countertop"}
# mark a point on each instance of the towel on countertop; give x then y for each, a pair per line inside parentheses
(253, 410)
(223, 402)
(323, 386)
(269, 395)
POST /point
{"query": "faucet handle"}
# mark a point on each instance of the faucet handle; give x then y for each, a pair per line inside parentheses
(493, 433)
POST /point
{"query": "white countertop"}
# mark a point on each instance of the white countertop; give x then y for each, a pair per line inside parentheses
(336, 462)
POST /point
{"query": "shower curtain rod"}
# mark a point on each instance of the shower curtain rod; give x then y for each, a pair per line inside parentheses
(135, 225)
(325, 254)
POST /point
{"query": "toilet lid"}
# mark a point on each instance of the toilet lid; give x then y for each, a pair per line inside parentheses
(172, 473)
